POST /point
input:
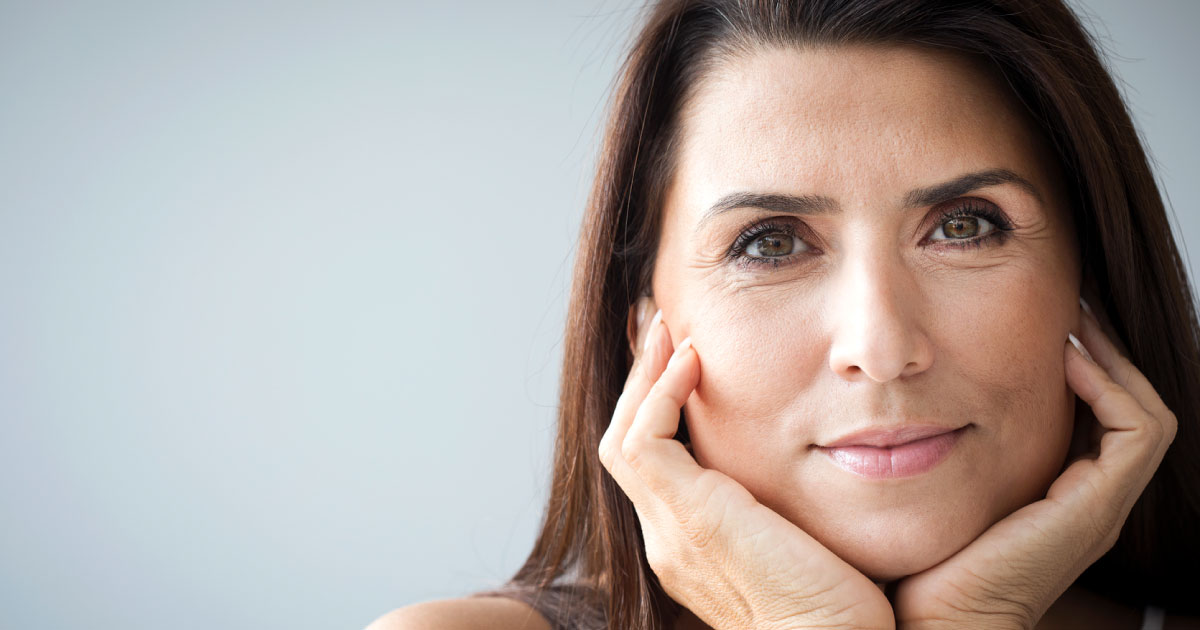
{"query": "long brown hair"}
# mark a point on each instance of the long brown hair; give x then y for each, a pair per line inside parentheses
(590, 534)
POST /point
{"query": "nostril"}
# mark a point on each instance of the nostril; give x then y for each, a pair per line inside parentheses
(879, 362)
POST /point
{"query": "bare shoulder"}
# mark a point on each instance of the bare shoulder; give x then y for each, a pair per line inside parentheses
(464, 613)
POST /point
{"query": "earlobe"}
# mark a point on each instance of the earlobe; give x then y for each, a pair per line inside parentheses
(639, 314)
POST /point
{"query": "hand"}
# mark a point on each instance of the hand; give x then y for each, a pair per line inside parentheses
(1010, 575)
(730, 560)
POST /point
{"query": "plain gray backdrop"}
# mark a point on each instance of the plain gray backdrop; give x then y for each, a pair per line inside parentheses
(282, 289)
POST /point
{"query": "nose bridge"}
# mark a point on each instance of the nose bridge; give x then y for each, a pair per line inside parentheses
(873, 324)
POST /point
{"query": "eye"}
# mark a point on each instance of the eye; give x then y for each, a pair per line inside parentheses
(768, 242)
(960, 228)
(773, 245)
(971, 224)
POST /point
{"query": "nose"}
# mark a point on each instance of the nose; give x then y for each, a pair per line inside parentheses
(874, 322)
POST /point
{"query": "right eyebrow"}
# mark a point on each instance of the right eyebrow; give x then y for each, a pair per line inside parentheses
(790, 204)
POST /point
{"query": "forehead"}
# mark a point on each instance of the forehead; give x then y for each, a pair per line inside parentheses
(848, 122)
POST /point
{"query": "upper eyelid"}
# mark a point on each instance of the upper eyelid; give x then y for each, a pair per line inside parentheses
(762, 227)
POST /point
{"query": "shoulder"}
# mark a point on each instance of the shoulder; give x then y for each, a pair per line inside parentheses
(464, 613)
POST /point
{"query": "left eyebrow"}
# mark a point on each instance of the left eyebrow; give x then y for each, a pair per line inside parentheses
(920, 197)
(964, 184)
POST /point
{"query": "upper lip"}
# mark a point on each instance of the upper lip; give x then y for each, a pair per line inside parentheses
(884, 437)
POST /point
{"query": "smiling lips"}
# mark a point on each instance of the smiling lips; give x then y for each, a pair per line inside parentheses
(892, 453)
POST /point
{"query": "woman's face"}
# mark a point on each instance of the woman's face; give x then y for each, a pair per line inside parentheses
(855, 304)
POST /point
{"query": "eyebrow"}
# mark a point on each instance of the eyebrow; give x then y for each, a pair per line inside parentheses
(920, 197)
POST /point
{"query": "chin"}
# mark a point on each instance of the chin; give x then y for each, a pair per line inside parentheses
(888, 567)
(889, 547)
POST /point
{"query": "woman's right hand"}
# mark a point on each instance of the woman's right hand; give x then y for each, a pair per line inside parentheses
(730, 560)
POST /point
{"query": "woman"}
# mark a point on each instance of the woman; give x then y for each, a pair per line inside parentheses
(827, 362)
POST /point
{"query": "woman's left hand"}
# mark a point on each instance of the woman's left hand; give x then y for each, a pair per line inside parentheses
(1010, 575)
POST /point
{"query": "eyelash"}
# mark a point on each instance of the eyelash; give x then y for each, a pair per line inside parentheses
(1001, 226)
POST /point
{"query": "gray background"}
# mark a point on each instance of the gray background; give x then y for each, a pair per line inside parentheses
(282, 288)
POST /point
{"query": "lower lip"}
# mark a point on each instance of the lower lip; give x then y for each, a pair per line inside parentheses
(904, 460)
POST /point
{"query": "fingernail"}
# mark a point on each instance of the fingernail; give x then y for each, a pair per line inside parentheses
(1084, 304)
(643, 305)
(1079, 346)
(650, 331)
(683, 346)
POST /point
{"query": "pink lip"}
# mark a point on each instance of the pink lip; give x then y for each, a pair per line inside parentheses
(892, 453)
(892, 436)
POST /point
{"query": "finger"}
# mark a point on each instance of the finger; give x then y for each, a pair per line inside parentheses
(661, 462)
(1113, 405)
(1135, 442)
(637, 386)
(1119, 368)
(1122, 372)
(652, 350)
(647, 367)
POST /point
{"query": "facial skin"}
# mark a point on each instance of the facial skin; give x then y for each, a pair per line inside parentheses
(871, 320)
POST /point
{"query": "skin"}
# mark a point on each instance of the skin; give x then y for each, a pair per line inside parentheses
(870, 320)
(879, 323)
(734, 563)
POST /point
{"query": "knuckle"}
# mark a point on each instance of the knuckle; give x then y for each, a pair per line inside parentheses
(632, 450)
(605, 450)
(1171, 425)
(1155, 432)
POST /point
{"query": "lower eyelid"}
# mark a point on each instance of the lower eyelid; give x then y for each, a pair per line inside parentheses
(750, 262)
(996, 236)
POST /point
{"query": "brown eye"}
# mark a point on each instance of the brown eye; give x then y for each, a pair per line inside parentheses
(772, 245)
(963, 227)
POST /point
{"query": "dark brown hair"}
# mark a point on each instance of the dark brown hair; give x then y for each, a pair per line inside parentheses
(590, 534)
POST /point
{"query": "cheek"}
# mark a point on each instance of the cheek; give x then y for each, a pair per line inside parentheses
(1011, 350)
(760, 364)
(767, 392)
(1008, 338)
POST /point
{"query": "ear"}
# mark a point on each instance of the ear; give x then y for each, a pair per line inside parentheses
(640, 313)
